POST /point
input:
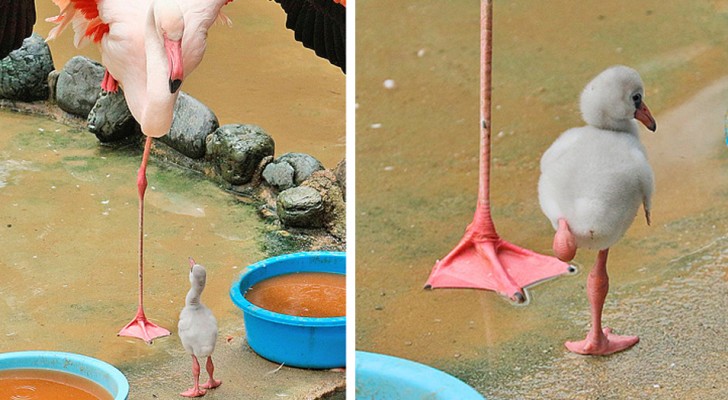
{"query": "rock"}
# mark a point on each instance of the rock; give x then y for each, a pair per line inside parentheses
(332, 197)
(279, 175)
(290, 170)
(24, 72)
(192, 123)
(110, 119)
(52, 81)
(79, 85)
(301, 207)
(340, 173)
(237, 150)
(303, 164)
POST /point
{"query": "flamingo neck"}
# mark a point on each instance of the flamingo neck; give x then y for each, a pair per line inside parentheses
(193, 296)
(156, 118)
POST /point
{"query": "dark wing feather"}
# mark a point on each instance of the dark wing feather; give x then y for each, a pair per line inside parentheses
(17, 18)
(319, 25)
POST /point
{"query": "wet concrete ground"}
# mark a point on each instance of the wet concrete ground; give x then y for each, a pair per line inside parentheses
(417, 182)
(68, 239)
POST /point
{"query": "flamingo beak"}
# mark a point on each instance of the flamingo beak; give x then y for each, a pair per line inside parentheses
(174, 56)
(643, 115)
(192, 263)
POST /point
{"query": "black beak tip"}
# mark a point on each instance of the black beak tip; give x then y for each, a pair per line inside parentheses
(174, 85)
(653, 127)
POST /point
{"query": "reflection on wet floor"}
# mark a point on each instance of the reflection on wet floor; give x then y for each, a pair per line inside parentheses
(417, 180)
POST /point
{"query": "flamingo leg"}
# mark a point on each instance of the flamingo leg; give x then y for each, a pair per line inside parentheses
(195, 391)
(482, 260)
(211, 382)
(109, 84)
(600, 341)
(140, 327)
(564, 242)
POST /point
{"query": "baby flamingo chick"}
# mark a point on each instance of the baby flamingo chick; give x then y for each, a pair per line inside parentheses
(198, 331)
(593, 180)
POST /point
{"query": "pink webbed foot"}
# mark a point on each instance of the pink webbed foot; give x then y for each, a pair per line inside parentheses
(564, 242)
(142, 328)
(211, 384)
(602, 344)
(193, 392)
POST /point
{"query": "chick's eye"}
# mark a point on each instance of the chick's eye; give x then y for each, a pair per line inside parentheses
(637, 98)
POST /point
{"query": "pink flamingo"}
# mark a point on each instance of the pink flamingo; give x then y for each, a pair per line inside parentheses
(16, 23)
(482, 260)
(148, 47)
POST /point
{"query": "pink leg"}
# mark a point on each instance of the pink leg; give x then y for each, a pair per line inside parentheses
(600, 341)
(482, 260)
(195, 391)
(564, 242)
(140, 327)
(211, 382)
(109, 84)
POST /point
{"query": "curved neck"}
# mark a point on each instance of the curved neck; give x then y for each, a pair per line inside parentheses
(159, 100)
(193, 295)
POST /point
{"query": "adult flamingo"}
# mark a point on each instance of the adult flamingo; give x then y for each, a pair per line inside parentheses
(149, 47)
(16, 23)
(482, 260)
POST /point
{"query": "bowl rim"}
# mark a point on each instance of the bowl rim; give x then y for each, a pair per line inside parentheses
(403, 370)
(88, 363)
(251, 309)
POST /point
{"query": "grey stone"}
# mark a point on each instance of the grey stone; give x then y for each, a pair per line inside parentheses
(340, 173)
(110, 119)
(24, 72)
(236, 151)
(332, 198)
(279, 175)
(79, 85)
(301, 207)
(303, 164)
(192, 123)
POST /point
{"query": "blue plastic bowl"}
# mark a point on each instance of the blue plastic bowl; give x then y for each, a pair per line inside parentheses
(385, 377)
(104, 374)
(302, 342)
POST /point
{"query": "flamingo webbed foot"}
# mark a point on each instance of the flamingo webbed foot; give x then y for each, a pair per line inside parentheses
(193, 392)
(211, 384)
(142, 328)
(603, 343)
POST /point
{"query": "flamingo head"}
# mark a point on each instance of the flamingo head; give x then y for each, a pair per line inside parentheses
(170, 26)
(198, 275)
(615, 97)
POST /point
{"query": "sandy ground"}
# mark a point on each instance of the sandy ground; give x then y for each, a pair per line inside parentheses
(68, 213)
(417, 182)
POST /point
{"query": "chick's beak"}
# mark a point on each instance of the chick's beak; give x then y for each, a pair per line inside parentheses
(192, 263)
(643, 115)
